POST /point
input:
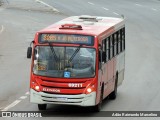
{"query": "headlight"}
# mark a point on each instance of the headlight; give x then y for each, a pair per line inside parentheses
(90, 89)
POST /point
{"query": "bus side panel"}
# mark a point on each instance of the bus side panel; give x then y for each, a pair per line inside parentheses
(109, 79)
(114, 73)
(105, 80)
(99, 85)
(121, 66)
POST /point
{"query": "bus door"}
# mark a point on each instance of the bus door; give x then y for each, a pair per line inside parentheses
(107, 67)
(110, 64)
(100, 75)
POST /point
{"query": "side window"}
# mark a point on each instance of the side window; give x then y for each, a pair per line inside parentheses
(118, 40)
(123, 38)
(111, 47)
(121, 35)
(104, 50)
(115, 43)
(108, 49)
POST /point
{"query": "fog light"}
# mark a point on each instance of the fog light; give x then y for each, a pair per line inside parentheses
(37, 87)
(89, 90)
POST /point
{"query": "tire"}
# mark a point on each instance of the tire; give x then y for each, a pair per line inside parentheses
(98, 107)
(42, 106)
(113, 94)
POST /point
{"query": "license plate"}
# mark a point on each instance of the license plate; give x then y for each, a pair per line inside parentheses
(62, 98)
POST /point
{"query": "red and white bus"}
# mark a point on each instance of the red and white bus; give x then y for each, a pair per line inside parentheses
(77, 61)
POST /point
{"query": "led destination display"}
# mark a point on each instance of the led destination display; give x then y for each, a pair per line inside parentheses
(66, 38)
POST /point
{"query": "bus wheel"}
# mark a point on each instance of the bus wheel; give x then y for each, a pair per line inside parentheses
(98, 107)
(113, 94)
(42, 106)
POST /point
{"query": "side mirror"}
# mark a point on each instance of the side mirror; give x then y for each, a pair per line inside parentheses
(29, 52)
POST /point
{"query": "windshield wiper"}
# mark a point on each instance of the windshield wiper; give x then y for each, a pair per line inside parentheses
(53, 52)
(74, 54)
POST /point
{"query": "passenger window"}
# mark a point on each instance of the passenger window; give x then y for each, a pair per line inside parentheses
(123, 39)
(111, 47)
(104, 50)
(121, 35)
(115, 44)
(119, 38)
(108, 49)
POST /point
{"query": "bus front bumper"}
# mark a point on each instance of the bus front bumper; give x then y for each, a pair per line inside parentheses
(80, 99)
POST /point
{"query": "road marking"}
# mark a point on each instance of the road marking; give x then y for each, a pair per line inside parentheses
(54, 9)
(138, 4)
(15, 102)
(23, 97)
(115, 13)
(154, 9)
(91, 3)
(105, 8)
(11, 105)
(2, 29)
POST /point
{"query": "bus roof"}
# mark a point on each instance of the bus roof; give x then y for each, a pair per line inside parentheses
(91, 25)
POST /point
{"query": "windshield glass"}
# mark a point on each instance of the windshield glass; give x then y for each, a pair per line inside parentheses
(64, 62)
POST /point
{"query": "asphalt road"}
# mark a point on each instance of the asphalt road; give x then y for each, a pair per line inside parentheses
(140, 90)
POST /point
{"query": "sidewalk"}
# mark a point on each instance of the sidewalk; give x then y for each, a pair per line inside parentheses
(30, 5)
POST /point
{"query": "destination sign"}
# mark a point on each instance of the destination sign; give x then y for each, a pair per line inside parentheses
(66, 38)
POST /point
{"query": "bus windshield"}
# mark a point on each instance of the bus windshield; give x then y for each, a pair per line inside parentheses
(64, 62)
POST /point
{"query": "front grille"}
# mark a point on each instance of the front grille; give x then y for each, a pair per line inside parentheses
(63, 98)
(62, 87)
(65, 86)
(67, 98)
(61, 101)
(63, 93)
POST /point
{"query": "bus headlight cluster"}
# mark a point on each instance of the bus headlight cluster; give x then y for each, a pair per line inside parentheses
(37, 88)
(89, 90)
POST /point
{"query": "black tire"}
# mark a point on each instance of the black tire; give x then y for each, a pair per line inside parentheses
(98, 107)
(42, 106)
(113, 94)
